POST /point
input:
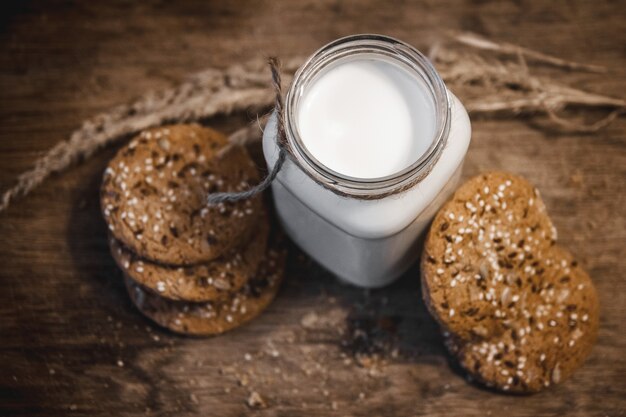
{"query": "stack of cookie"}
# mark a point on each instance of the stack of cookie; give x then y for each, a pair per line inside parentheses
(192, 268)
(517, 310)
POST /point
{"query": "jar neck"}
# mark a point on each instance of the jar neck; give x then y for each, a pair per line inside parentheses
(375, 47)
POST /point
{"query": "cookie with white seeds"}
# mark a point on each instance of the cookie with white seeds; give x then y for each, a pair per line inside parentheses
(213, 318)
(215, 280)
(154, 195)
(549, 338)
(493, 229)
(516, 309)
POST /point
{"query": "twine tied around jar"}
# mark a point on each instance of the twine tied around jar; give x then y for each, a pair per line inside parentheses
(284, 150)
(281, 141)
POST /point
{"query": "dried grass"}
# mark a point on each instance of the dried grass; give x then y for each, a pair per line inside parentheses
(490, 78)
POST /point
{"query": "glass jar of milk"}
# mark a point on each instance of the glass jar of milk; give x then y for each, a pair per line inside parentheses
(376, 146)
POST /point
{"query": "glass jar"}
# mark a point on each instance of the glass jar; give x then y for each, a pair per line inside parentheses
(366, 230)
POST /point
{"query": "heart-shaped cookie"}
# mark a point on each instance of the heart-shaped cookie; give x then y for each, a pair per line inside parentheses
(517, 309)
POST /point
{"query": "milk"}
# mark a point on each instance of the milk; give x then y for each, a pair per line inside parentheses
(366, 118)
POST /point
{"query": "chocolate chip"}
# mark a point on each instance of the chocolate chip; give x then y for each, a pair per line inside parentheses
(471, 311)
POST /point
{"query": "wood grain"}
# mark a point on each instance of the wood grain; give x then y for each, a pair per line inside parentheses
(70, 341)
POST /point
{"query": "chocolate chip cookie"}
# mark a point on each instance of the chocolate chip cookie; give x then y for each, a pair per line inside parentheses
(215, 280)
(155, 189)
(549, 336)
(212, 318)
(518, 311)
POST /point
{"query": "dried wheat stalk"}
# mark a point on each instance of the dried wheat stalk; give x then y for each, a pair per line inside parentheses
(203, 95)
(476, 41)
(486, 85)
(490, 86)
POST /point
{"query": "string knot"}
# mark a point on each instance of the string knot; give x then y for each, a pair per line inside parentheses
(233, 197)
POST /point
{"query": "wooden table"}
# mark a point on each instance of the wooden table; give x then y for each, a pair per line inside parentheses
(70, 341)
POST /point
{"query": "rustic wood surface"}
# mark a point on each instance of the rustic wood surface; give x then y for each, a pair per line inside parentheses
(72, 344)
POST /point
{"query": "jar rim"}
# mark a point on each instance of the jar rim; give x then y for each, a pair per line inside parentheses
(371, 44)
